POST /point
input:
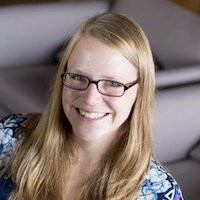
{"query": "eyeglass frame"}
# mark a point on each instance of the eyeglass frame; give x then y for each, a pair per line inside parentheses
(126, 87)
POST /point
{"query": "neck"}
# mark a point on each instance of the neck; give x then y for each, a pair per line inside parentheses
(93, 152)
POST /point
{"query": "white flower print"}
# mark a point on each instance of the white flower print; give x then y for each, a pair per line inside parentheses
(7, 140)
(159, 184)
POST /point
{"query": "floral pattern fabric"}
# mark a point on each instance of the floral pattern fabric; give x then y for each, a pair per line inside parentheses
(158, 185)
(10, 129)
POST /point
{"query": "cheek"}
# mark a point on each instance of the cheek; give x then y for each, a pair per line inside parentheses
(68, 97)
(65, 97)
(65, 102)
(123, 108)
(125, 105)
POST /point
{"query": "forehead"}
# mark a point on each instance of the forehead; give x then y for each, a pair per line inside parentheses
(92, 57)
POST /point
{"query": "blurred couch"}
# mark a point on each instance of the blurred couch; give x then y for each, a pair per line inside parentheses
(31, 37)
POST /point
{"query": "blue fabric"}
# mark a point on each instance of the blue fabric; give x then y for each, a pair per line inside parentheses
(158, 185)
(10, 130)
(6, 186)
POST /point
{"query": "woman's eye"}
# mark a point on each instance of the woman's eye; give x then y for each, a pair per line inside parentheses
(114, 84)
(77, 77)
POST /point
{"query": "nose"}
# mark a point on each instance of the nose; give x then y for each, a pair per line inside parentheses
(91, 95)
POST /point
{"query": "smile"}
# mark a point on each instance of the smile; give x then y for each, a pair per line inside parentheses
(91, 115)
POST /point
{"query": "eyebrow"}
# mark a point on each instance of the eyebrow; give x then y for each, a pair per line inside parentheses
(106, 77)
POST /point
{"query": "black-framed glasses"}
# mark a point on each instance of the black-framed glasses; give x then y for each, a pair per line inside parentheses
(105, 87)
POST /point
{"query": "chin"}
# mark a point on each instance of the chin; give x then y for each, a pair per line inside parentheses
(89, 137)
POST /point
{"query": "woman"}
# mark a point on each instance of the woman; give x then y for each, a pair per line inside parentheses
(93, 140)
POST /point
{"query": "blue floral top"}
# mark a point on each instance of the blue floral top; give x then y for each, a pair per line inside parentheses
(158, 185)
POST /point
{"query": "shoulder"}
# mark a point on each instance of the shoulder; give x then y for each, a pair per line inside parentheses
(10, 132)
(159, 184)
(12, 128)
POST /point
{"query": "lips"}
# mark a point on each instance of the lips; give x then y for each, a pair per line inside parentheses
(91, 115)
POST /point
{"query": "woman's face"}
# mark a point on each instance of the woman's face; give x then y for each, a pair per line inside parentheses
(93, 116)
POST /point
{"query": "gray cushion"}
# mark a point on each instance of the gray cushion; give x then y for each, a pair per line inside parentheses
(176, 122)
(187, 174)
(176, 77)
(29, 34)
(25, 89)
(174, 32)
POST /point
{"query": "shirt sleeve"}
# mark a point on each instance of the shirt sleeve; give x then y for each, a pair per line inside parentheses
(10, 132)
(159, 185)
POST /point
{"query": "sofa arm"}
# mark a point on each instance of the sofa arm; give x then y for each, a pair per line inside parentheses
(177, 77)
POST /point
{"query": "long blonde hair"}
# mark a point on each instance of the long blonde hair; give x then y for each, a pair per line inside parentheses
(40, 162)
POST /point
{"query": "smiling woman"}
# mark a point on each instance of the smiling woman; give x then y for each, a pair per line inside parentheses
(93, 140)
(97, 60)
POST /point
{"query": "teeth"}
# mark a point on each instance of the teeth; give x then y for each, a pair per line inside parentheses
(92, 115)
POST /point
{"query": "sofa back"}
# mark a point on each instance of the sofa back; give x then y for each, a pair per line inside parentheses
(31, 34)
(174, 32)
